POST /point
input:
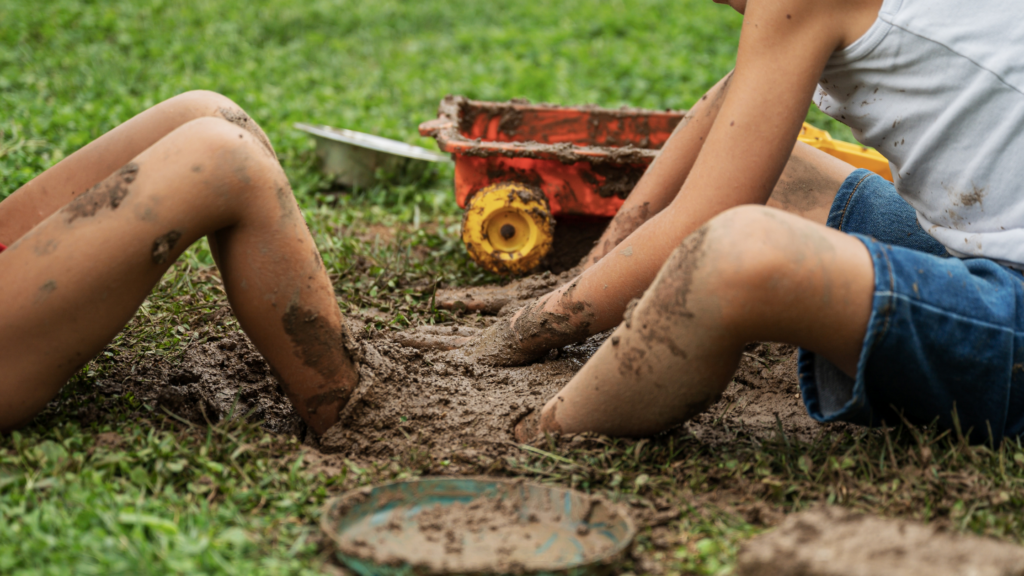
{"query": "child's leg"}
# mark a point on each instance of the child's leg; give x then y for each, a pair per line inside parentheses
(750, 274)
(595, 301)
(71, 283)
(52, 189)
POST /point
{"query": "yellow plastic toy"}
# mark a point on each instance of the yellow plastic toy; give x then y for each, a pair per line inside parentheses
(508, 228)
(855, 154)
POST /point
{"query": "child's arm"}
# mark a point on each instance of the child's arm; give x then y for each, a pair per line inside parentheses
(784, 45)
(665, 176)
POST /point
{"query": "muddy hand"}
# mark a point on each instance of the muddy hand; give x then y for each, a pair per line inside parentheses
(528, 334)
(491, 299)
(436, 337)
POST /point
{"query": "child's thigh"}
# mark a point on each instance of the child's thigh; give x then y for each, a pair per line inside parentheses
(945, 336)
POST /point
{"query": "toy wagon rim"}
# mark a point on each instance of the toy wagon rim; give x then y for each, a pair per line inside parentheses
(445, 129)
(372, 142)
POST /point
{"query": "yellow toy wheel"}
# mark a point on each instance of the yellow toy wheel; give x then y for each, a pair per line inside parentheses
(508, 228)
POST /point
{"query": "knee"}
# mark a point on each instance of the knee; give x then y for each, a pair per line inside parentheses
(201, 103)
(730, 259)
(226, 150)
(746, 245)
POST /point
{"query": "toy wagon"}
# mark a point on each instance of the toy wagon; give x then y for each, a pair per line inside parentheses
(519, 166)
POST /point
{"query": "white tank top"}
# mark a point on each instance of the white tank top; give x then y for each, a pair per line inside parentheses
(937, 86)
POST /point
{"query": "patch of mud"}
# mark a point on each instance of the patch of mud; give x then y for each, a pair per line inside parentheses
(440, 400)
(437, 402)
(618, 181)
(107, 194)
(239, 118)
(215, 380)
(839, 542)
(762, 399)
(445, 401)
(492, 299)
(163, 246)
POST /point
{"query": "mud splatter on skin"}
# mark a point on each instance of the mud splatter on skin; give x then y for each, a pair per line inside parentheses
(318, 345)
(322, 348)
(716, 102)
(669, 297)
(45, 248)
(337, 397)
(286, 201)
(45, 290)
(624, 224)
(163, 246)
(107, 194)
(239, 118)
(534, 332)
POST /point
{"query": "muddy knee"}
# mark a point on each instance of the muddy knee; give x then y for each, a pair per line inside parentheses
(204, 103)
(748, 257)
(225, 148)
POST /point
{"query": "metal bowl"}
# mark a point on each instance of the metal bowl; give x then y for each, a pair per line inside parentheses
(358, 160)
(487, 526)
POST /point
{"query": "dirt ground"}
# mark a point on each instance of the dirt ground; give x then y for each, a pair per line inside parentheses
(438, 400)
(838, 542)
(428, 407)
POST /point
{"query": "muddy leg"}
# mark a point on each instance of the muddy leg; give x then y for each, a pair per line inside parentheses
(48, 192)
(750, 274)
(72, 282)
(809, 183)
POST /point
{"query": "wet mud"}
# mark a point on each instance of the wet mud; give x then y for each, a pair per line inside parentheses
(618, 181)
(492, 299)
(445, 402)
(213, 381)
(435, 402)
(107, 194)
(163, 246)
(239, 118)
(509, 531)
(441, 401)
(839, 542)
(531, 332)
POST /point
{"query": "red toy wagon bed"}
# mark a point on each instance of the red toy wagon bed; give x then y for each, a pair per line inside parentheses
(520, 165)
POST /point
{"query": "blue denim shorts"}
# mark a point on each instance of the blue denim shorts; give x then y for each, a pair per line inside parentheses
(945, 340)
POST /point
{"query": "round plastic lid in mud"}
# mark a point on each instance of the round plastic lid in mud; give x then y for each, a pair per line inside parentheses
(475, 526)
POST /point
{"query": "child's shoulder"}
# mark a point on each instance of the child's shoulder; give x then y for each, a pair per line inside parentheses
(843, 21)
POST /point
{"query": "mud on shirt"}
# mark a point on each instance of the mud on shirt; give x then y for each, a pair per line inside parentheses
(937, 86)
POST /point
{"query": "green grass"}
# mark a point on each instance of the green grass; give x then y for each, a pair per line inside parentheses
(130, 491)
